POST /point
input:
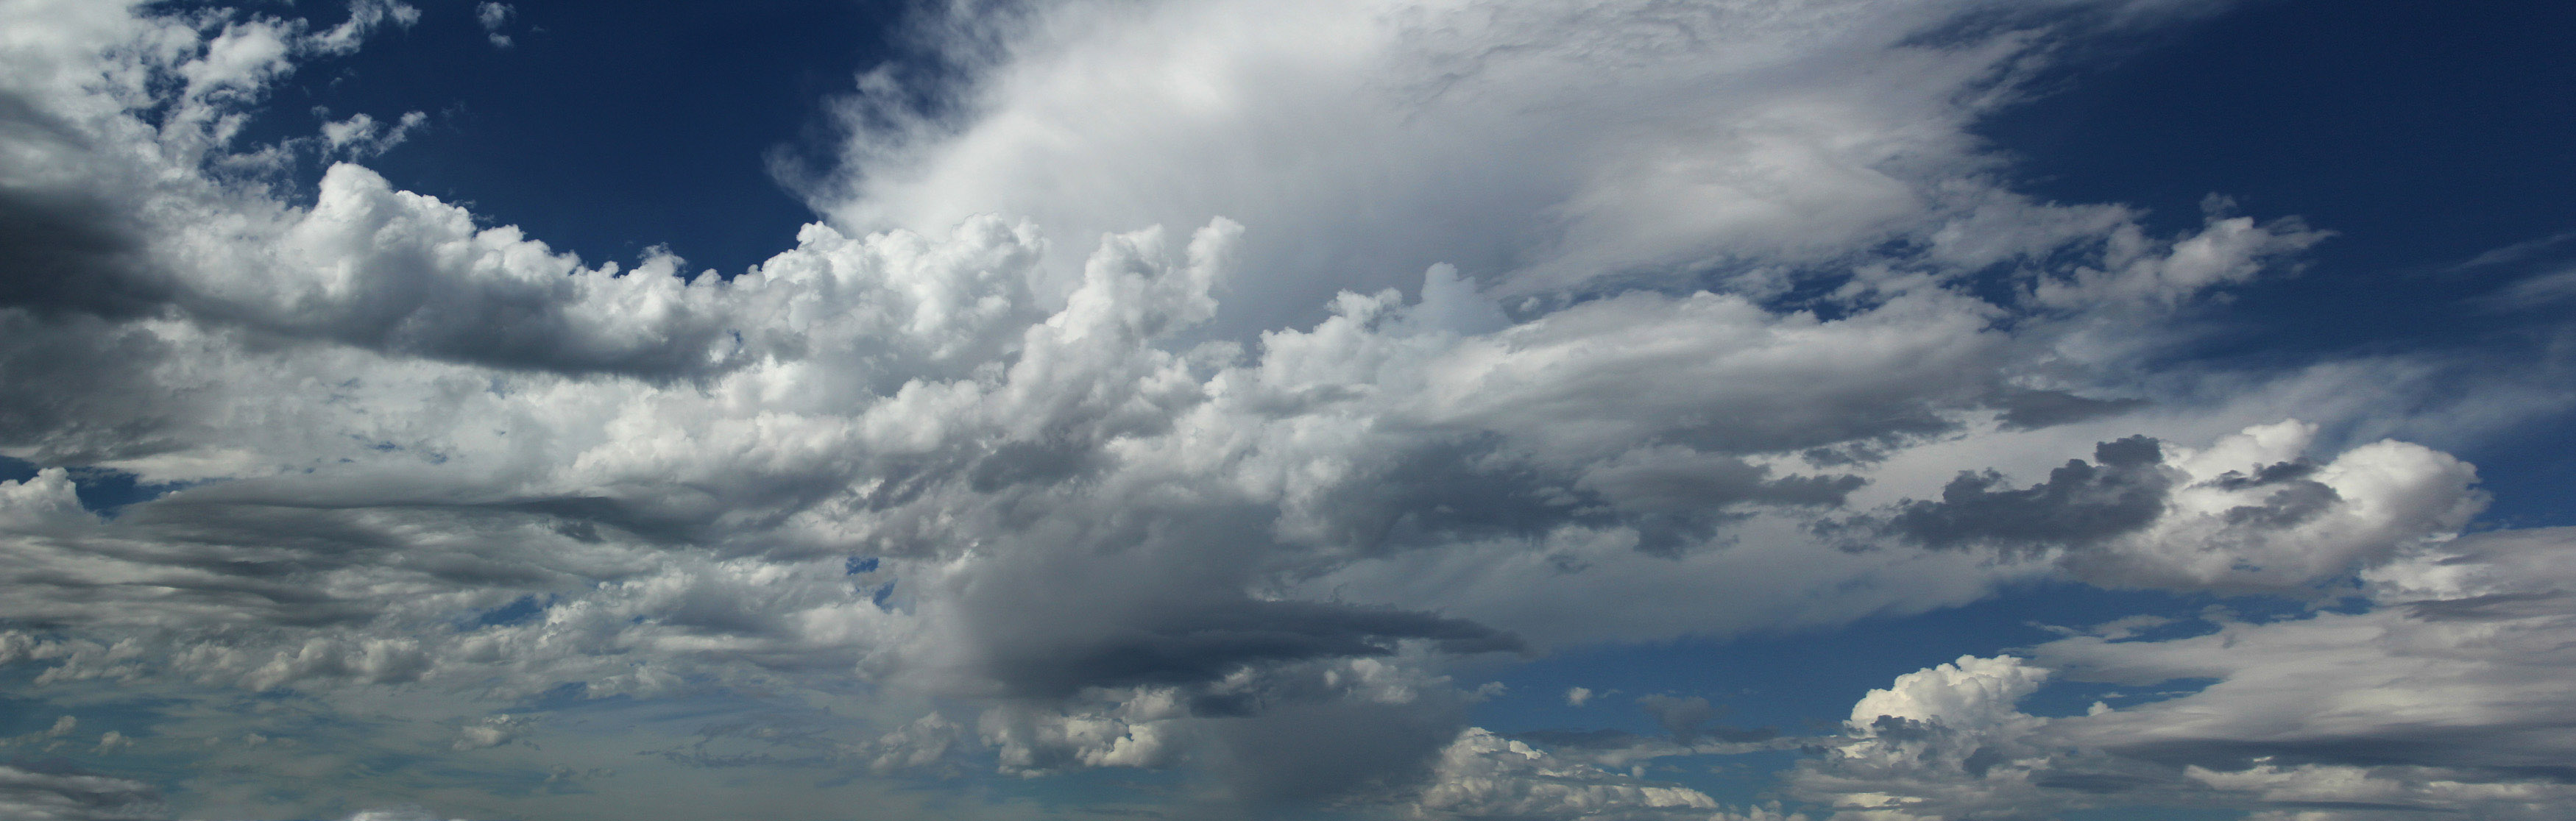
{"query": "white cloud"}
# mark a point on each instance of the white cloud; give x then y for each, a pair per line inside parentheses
(482, 736)
(2436, 700)
(1539, 144)
(1482, 775)
(361, 136)
(493, 16)
(2249, 513)
(1969, 693)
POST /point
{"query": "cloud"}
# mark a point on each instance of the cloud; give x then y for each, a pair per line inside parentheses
(1484, 775)
(2531, 292)
(2080, 504)
(71, 796)
(1539, 144)
(1195, 456)
(2248, 513)
(2436, 698)
(493, 16)
(362, 136)
(2454, 647)
(1687, 719)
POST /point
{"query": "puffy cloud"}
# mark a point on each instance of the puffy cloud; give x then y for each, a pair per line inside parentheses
(493, 16)
(1482, 775)
(2248, 513)
(1947, 741)
(1548, 144)
(1969, 693)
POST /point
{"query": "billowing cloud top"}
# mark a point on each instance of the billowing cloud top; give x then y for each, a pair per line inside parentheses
(1206, 387)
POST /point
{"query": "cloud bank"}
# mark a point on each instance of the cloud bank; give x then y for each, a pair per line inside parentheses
(1197, 386)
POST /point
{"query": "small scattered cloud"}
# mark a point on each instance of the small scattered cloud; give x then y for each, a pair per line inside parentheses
(494, 16)
(362, 136)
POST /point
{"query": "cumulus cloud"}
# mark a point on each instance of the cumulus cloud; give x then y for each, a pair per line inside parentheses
(1482, 775)
(493, 16)
(1060, 489)
(1538, 144)
(2248, 513)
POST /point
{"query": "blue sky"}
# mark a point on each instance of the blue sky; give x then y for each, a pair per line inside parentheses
(1841, 410)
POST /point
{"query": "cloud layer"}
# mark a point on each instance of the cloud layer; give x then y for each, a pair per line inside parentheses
(1198, 388)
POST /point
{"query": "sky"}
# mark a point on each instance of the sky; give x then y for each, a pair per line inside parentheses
(1734, 410)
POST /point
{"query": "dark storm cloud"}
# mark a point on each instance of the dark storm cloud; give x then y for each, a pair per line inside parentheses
(2293, 499)
(2025, 409)
(1689, 720)
(2490, 607)
(1305, 752)
(72, 251)
(67, 249)
(1465, 488)
(1197, 646)
(76, 389)
(2081, 503)
(1477, 487)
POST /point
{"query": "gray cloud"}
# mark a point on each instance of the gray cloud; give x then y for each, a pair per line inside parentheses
(1689, 720)
(72, 251)
(2081, 503)
(2031, 409)
(1291, 756)
(83, 391)
(60, 795)
(1196, 646)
